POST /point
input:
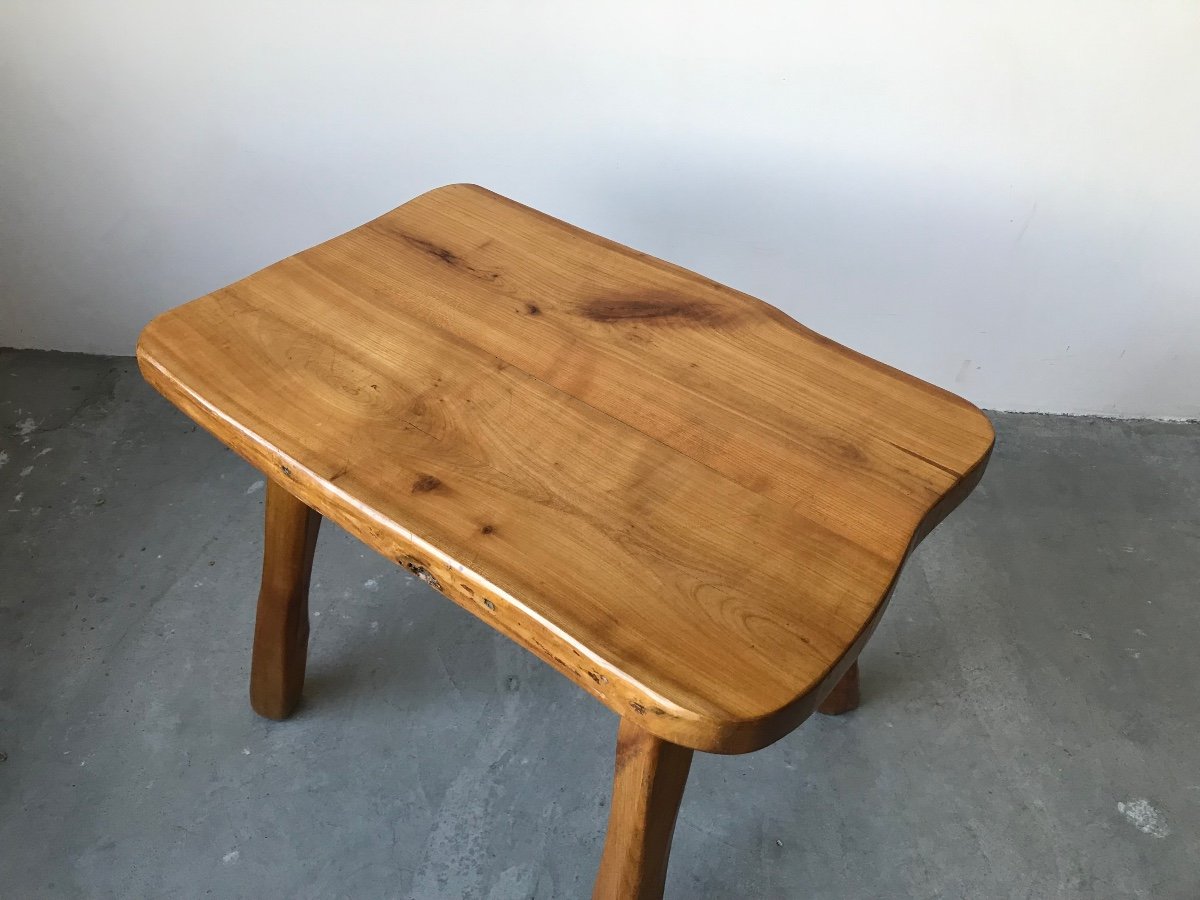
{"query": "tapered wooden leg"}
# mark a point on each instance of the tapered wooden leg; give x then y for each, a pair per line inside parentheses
(844, 696)
(647, 787)
(281, 628)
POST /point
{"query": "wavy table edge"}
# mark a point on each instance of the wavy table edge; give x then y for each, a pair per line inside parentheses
(620, 691)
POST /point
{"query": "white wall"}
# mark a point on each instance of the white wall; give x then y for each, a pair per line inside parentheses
(1000, 197)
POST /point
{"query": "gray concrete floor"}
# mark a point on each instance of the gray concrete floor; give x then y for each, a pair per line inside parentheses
(1029, 725)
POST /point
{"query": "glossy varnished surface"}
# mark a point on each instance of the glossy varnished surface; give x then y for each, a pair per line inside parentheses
(670, 491)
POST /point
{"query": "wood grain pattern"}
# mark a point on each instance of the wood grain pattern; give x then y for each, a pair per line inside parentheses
(648, 784)
(281, 625)
(678, 496)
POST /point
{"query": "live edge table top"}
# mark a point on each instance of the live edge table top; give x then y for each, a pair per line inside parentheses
(673, 493)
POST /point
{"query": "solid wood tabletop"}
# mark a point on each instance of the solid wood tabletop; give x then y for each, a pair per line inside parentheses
(672, 492)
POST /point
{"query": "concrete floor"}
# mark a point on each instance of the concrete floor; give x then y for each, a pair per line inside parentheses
(1029, 725)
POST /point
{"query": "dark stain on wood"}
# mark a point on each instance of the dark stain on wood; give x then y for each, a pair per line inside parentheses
(533, 309)
(847, 451)
(488, 529)
(445, 254)
(449, 257)
(425, 483)
(657, 308)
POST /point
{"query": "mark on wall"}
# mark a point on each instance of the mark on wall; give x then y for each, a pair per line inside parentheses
(1025, 224)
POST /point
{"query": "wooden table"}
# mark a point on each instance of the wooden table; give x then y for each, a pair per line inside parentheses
(683, 500)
